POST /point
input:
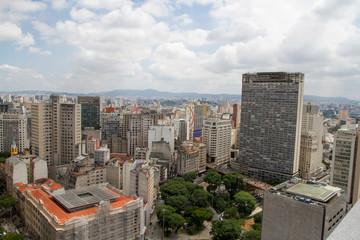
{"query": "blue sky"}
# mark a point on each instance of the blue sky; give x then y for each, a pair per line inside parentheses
(180, 46)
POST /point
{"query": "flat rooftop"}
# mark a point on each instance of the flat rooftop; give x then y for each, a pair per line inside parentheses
(76, 199)
(314, 191)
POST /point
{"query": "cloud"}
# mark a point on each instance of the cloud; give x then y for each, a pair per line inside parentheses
(39, 51)
(11, 77)
(104, 4)
(58, 4)
(11, 32)
(157, 8)
(16, 10)
(81, 15)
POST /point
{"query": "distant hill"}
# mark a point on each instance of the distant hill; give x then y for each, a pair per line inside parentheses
(151, 93)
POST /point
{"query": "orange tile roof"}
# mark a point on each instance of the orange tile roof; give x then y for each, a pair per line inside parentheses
(78, 173)
(38, 184)
(59, 213)
(97, 168)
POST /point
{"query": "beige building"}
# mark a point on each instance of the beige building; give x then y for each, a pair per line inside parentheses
(217, 138)
(308, 155)
(345, 171)
(95, 212)
(13, 128)
(84, 176)
(56, 130)
(191, 158)
(343, 115)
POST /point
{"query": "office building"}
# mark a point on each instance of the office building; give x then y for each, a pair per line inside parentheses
(90, 111)
(311, 148)
(236, 116)
(271, 114)
(345, 171)
(217, 138)
(94, 212)
(13, 128)
(302, 210)
(110, 129)
(343, 116)
(181, 127)
(83, 176)
(56, 130)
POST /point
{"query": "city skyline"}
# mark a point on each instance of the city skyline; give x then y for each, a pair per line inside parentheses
(177, 46)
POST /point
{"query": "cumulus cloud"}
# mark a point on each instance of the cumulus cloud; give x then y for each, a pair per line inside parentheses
(28, 79)
(160, 44)
(16, 10)
(11, 32)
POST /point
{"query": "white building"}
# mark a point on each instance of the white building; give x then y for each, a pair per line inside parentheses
(156, 133)
(217, 138)
(102, 155)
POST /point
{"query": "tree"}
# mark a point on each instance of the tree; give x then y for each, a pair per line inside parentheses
(191, 187)
(175, 187)
(258, 217)
(174, 221)
(162, 212)
(214, 179)
(226, 229)
(245, 203)
(13, 237)
(201, 198)
(233, 183)
(190, 177)
(199, 215)
(231, 213)
(220, 204)
(8, 202)
(252, 235)
(180, 203)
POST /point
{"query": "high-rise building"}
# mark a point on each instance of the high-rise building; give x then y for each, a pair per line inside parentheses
(236, 116)
(13, 128)
(136, 129)
(345, 171)
(343, 116)
(56, 130)
(311, 149)
(181, 129)
(217, 138)
(90, 111)
(300, 211)
(271, 114)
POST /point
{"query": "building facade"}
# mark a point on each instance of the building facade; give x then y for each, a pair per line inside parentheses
(271, 114)
(345, 171)
(217, 138)
(90, 111)
(301, 211)
(191, 158)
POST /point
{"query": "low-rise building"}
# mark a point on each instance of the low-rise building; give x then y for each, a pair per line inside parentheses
(94, 212)
(191, 158)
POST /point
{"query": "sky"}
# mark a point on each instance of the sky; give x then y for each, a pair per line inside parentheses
(204, 46)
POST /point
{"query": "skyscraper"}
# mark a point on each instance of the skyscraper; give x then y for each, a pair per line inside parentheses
(90, 112)
(13, 127)
(345, 172)
(56, 130)
(271, 112)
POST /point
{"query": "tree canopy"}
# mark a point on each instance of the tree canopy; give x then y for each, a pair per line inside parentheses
(252, 235)
(179, 203)
(201, 198)
(213, 178)
(245, 203)
(199, 215)
(233, 182)
(226, 229)
(175, 187)
(190, 177)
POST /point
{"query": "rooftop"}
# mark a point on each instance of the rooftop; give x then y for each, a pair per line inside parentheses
(317, 192)
(73, 203)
